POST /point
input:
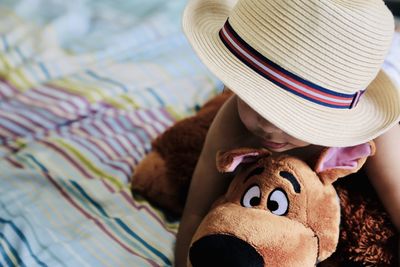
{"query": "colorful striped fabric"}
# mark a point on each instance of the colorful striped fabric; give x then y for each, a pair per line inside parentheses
(76, 116)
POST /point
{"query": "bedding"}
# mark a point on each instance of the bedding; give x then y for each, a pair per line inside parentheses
(85, 85)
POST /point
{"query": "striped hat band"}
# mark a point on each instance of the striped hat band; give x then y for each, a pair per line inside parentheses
(284, 78)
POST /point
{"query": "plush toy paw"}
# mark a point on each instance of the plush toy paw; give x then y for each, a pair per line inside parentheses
(150, 181)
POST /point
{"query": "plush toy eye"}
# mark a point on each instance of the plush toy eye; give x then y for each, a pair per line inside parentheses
(278, 202)
(252, 197)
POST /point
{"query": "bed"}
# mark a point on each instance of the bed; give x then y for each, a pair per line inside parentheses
(85, 85)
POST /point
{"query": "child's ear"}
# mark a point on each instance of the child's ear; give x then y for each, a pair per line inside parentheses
(337, 162)
(229, 160)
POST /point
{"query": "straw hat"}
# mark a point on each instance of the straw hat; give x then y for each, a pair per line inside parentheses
(310, 67)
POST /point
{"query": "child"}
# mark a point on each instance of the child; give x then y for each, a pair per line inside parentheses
(305, 75)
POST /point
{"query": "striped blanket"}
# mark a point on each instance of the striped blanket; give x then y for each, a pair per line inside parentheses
(84, 88)
(85, 85)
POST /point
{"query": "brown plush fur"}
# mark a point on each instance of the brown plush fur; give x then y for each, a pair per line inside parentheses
(367, 237)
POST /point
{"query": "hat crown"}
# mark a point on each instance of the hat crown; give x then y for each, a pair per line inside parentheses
(337, 44)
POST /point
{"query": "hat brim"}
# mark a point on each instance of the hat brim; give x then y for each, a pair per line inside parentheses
(377, 110)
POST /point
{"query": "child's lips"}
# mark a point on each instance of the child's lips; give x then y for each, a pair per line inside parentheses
(273, 145)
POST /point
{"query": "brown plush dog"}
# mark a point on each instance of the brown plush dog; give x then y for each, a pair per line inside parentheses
(367, 236)
(277, 211)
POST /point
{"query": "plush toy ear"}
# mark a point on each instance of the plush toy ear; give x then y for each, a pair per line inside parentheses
(228, 161)
(337, 162)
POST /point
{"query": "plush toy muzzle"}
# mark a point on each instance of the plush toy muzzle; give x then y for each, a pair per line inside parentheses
(278, 211)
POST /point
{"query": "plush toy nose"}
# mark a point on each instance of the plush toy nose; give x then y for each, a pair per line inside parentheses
(223, 250)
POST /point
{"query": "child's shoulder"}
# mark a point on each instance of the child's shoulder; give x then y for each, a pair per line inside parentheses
(227, 117)
(227, 131)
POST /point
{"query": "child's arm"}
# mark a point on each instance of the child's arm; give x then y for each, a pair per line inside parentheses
(207, 184)
(205, 187)
(383, 170)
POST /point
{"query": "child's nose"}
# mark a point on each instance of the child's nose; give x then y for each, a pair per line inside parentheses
(268, 127)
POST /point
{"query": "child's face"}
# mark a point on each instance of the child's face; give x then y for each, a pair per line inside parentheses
(270, 136)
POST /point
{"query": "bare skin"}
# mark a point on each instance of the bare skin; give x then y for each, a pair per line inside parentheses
(237, 125)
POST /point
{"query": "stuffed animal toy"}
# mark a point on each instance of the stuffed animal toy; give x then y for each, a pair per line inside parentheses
(278, 211)
(367, 237)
